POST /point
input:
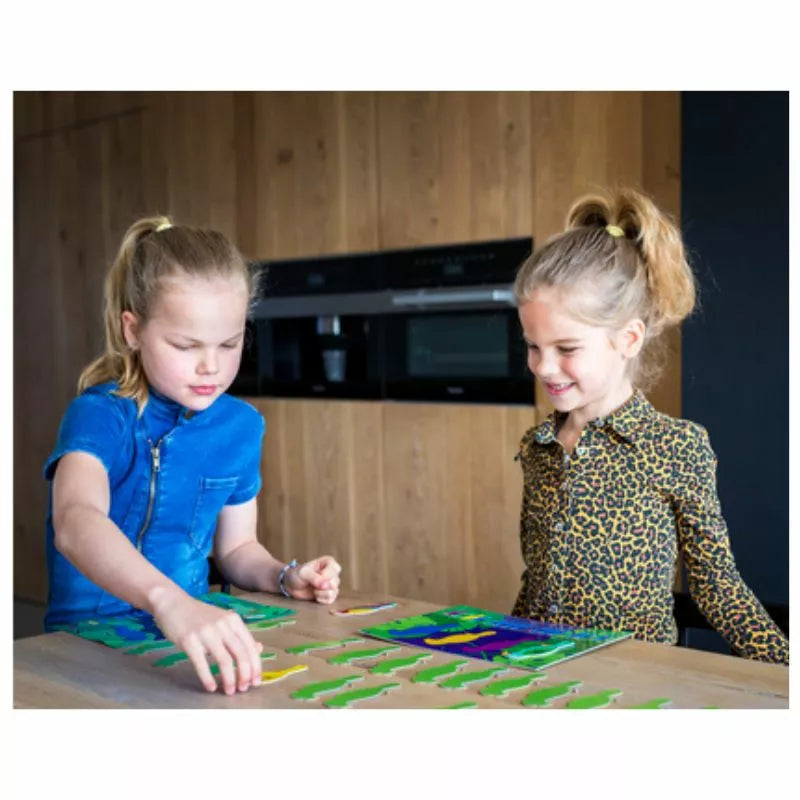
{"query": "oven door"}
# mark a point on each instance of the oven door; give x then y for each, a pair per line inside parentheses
(462, 354)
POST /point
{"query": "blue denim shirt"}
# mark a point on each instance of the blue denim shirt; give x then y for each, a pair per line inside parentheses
(170, 473)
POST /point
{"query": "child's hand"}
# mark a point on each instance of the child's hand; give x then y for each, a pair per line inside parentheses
(315, 580)
(205, 632)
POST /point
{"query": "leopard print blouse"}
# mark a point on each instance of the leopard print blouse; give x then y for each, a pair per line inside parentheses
(601, 529)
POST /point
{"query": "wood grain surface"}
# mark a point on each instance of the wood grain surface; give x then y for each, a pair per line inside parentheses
(64, 671)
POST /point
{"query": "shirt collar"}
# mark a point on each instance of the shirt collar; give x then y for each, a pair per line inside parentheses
(160, 410)
(627, 420)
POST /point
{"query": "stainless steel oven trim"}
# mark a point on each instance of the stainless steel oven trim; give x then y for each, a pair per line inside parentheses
(385, 302)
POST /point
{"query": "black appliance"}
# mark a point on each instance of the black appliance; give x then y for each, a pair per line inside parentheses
(313, 332)
(434, 323)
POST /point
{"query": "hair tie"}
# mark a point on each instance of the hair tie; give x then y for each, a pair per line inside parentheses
(615, 231)
(163, 226)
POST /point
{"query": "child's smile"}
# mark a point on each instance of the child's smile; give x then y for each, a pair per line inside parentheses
(581, 367)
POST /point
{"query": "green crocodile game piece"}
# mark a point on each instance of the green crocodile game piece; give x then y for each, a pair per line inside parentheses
(598, 700)
(466, 704)
(265, 656)
(432, 674)
(146, 647)
(355, 655)
(302, 649)
(264, 624)
(543, 697)
(536, 651)
(465, 678)
(171, 659)
(658, 702)
(502, 686)
(391, 665)
(312, 690)
(346, 698)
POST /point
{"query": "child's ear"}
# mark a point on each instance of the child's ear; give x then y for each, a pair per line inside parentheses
(631, 338)
(130, 329)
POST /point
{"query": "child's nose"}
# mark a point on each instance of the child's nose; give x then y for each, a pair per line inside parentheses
(208, 363)
(541, 364)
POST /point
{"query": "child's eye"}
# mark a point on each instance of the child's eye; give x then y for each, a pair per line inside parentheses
(230, 345)
(567, 350)
(181, 346)
(531, 347)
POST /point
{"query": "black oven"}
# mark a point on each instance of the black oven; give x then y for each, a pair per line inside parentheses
(432, 324)
(470, 353)
(453, 332)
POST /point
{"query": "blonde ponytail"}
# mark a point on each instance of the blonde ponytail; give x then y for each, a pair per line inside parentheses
(630, 254)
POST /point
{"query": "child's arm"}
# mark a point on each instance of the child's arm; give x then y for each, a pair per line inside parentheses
(244, 561)
(714, 581)
(88, 538)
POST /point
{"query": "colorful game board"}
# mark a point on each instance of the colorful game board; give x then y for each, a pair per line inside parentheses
(139, 627)
(487, 635)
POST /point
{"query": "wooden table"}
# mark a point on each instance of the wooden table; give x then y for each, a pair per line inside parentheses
(58, 670)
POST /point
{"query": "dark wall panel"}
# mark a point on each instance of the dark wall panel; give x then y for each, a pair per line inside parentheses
(735, 218)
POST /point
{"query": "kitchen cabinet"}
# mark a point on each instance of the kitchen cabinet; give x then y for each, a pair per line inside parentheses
(412, 498)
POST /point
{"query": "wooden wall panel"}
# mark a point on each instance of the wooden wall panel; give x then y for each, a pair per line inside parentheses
(299, 174)
(419, 486)
(661, 177)
(496, 487)
(370, 567)
(580, 141)
(191, 163)
(44, 113)
(315, 173)
(69, 207)
(452, 492)
(323, 486)
(454, 166)
(414, 499)
(36, 417)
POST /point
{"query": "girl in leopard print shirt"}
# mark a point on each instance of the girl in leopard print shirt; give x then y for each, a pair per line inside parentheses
(614, 490)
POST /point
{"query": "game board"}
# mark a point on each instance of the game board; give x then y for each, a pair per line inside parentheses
(489, 636)
(139, 629)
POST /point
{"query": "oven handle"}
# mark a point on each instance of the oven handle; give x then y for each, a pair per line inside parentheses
(461, 297)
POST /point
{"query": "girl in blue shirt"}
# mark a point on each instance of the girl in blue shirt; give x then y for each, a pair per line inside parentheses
(156, 467)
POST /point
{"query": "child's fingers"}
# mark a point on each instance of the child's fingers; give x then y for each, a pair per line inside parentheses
(227, 675)
(243, 650)
(316, 580)
(197, 656)
(302, 580)
(326, 596)
(248, 656)
(324, 572)
(327, 567)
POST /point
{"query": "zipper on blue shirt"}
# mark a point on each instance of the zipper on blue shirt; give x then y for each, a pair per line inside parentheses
(155, 461)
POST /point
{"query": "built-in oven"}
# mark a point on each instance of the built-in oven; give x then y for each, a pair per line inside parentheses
(434, 324)
(472, 351)
(453, 332)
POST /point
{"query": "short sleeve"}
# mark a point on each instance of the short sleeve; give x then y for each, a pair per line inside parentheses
(93, 423)
(249, 482)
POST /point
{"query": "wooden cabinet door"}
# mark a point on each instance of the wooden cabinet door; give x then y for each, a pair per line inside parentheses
(78, 190)
(413, 499)
(454, 166)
